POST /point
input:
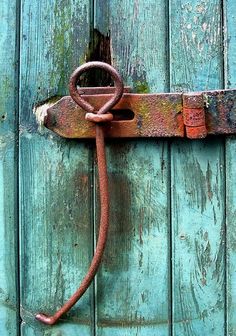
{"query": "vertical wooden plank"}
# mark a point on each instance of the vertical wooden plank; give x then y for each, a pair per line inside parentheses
(198, 238)
(133, 283)
(230, 81)
(56, 225)
(138, 32)
(231, 237)
(132, 286)
(230, 43)
(198, 223)
(8, 169)
(196, 45)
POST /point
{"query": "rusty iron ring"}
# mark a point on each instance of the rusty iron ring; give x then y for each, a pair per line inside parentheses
(119, 87)
(103, 181)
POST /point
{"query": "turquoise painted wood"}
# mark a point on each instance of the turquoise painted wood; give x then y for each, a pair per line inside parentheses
(198, 190)
(55, 174)
(230, 81)
(138, 252)
(198, 238)
(169, 266)
(196, 45)
(8, 170)
(231, 239)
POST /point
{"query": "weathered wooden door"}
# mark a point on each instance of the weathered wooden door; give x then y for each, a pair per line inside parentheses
(170, 261)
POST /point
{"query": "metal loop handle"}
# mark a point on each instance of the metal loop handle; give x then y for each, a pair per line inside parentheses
(103, 180)
(119, 87)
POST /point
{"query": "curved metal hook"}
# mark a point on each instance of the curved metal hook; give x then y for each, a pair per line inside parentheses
(103, 184)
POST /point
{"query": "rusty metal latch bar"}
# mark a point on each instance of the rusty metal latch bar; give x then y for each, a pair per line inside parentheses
(193, 115)
(115, 112)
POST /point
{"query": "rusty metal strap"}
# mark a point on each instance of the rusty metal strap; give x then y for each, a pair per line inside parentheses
(194, 115)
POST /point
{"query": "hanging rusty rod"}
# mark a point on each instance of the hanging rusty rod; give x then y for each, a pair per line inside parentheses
(101, 116)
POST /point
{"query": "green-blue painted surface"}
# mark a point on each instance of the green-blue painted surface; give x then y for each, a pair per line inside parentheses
(138, 252)
(55, 178)
(196, 45)
(231, 236)
(139, 36)
(169, 266)
(198, 233)
(230, 81)
(197, 178)
(8, 170)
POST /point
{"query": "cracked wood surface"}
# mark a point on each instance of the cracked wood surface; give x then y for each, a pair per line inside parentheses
(197, 178)
(138, 247)
(55, 174)
(230, 81)
(8, 171)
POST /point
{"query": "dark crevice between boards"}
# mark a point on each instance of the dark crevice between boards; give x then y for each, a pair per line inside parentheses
(17, 164)
(226, 85)
(99, 50)
(170, 189)
(225, 80)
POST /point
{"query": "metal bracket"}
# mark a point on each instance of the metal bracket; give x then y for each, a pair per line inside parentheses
(194, 114)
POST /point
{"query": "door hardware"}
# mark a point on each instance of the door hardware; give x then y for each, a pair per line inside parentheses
(97, 116)
(116, 112)
(193, 115)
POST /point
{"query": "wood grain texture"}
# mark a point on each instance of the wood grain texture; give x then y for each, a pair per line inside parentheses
(230, 82)
(133, 288)
(139, 33)
(231, 235)
(198, 223)
(55, 183)
(229, 43)
(65, 328)
(198, 238)
(8, 169)
(196, 45)
(133, 284)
